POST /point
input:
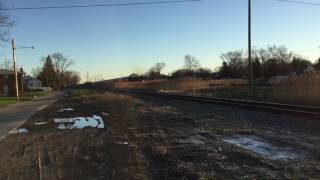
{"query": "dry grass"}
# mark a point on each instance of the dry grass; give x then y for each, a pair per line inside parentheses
(183, 84)
(101, 98)
(303, 89)
(159, 150)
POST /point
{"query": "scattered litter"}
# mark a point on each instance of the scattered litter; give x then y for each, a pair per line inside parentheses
(18, 131)
(262, 148)
(66, 110)
(40, 123)
(122, 143)
(80, 122)
(105, 114)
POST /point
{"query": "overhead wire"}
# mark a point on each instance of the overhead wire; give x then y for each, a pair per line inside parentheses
(98, 5)
(299, 2)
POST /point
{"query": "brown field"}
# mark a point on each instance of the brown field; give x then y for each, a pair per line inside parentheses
(303, 89)
(183, 84)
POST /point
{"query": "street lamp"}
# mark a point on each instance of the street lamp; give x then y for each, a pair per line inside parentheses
(14, 48)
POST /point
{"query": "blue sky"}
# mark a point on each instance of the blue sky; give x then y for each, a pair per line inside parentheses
(117, 41)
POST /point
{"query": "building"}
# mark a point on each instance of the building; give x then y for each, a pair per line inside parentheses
(31, 84)
(8, 83)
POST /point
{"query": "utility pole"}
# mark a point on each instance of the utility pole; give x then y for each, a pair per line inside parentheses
(22, 77)
(249, 47)
(15, 68)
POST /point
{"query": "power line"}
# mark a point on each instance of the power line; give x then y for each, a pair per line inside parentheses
(98, 5)
(299, 2)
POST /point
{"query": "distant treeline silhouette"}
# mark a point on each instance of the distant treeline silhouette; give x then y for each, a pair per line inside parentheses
(266, 62)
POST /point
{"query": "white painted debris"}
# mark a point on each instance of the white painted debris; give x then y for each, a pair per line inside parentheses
(40, 123)
(18, 131)
(262, 148)
(66, 110)
(61, 126)
(100, 123)
(80, 122)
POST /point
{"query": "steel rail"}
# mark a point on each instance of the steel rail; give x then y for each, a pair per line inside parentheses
(258, 105)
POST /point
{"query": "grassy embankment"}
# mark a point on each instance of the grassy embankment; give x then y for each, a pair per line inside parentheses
(28, 96)
(304, 89)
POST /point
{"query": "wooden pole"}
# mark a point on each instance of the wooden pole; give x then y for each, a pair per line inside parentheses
(249, 47)
(15, 68)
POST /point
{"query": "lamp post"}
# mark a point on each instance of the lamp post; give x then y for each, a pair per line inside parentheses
(14, 48)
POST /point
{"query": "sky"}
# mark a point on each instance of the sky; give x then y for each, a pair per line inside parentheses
(118, 41)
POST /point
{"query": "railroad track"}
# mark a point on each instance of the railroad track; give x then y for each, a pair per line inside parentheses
(256, 105)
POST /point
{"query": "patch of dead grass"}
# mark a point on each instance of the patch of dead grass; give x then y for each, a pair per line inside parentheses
(109, 98)
(182, 84)
(303, 89)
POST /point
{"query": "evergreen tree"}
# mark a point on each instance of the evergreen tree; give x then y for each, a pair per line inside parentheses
(48, 74)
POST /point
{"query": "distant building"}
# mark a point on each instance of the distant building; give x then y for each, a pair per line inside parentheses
(8, 83)
(31, 84)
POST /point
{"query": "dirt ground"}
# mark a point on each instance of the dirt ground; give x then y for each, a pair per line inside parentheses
(156, 138)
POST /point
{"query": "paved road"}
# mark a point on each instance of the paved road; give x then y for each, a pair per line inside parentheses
(15, 115)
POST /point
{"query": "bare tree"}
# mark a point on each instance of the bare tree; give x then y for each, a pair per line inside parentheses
(263, 56)
(61, 64)
(71, 78)
(36, 72)
(155, 71)
(5, 23)
(191, 63)
(272, 51)
(279, 53)
(158, 67)
(233, 58)
(283, 54)
(235, 63)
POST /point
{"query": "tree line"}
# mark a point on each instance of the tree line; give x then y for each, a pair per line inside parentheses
(54, 72)
(266, 62)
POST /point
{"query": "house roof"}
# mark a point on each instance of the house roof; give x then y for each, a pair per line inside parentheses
(28, 78)
(7, 72)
